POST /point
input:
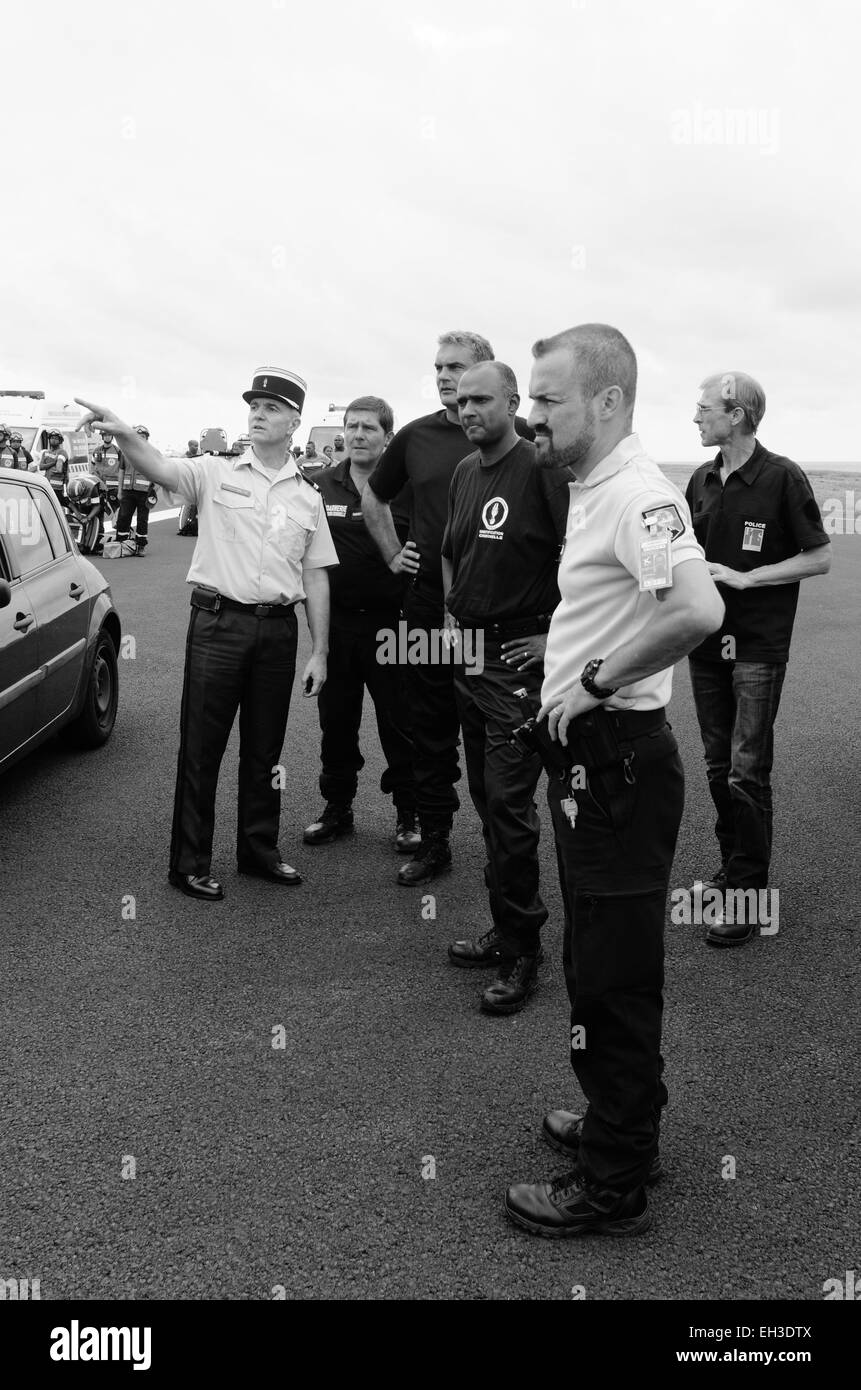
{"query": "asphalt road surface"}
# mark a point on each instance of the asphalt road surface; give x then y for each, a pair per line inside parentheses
(144, 1044)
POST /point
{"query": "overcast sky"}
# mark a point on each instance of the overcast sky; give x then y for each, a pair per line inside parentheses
(194, 188)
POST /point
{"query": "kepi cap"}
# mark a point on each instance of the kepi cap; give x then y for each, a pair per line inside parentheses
(277, 384)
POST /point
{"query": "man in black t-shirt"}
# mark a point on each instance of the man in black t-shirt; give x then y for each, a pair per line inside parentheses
(500, 557)
(365, 597)
(425, 453)
(758, 522)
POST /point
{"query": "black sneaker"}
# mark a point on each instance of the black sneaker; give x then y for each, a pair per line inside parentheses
(333, 823)
(513, 985)
(407, 836)
(566, 1206)
(433, 858)
(484, 951)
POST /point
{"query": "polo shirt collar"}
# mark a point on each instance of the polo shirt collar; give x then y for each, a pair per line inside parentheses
(750, 469)
(614, 462)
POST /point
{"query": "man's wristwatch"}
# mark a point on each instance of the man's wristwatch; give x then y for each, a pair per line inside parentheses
(587, 680)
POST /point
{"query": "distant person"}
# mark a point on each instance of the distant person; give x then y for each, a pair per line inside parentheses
(329, 455)
(311, 453)
(106, 462)
(298, 452)
(54, 462)
(6, 455)
(135, 491)
(366, 597)
(758, 522)
(193, 449)
(425, 453)
(339, 449)
(22, 456)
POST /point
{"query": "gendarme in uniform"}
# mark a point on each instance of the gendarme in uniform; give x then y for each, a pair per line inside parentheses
(260, 532)
(615, 860)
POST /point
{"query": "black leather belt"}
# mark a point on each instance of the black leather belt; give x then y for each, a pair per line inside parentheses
(213, 603)
(516, 627)
(628, 723)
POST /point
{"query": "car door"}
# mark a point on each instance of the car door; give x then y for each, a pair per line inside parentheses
(51, 574)
(20, 672)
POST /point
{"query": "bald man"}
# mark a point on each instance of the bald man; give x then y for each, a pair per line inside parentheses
(500, 556)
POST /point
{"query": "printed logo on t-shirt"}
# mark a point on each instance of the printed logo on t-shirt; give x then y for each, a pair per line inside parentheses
(494, 514)
(754, 534)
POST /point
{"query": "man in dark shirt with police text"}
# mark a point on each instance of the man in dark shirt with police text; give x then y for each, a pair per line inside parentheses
(500, 557)
(365, 597)
(425, 453)
(758, 522)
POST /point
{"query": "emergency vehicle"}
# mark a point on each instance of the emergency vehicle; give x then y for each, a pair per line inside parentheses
(34, 418)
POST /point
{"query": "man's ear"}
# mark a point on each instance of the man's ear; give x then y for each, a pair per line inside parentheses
(612, 400)
(390, 434)
(513, 403)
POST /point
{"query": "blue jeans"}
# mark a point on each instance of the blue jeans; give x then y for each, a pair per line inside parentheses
(736, 703)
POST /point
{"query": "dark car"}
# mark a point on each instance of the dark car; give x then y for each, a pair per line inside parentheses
(59, 630)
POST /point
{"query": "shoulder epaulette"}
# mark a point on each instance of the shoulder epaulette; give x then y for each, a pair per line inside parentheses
(306, 479)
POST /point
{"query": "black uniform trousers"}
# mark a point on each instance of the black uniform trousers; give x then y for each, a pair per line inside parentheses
(435, 719)
(502, 785)
(233, 660)
(353, 667)
(132, 502)
(614, 871)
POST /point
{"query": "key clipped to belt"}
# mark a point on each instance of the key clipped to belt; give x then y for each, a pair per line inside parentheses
(569, 807)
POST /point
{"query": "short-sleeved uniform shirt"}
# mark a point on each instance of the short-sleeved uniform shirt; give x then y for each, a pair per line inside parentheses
(425, 453)
(765, 512)
(601, 605)
(257, 530)
(506, 528)
(363, 581)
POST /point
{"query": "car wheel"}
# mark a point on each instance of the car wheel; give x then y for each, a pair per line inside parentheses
(95, 724)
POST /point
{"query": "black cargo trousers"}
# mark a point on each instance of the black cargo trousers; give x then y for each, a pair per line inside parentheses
(433, 712)
(240, 657)
(353, 667)
(502, 783)
(614, 872)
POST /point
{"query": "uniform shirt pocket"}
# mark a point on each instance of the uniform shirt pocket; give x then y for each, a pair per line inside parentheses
(292, 523)
(229, 509)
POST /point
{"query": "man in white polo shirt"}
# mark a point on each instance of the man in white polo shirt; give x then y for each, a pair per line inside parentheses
(263, 546)
(636, 597)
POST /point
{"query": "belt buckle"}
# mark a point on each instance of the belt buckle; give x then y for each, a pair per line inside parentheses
(262, 610)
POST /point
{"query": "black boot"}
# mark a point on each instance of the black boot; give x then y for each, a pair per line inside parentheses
(433, 858)
(336, 820)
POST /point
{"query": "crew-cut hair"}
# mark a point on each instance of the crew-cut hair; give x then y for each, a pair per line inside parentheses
(603, 354)
(375, 405)
(738, 390)
(478, 346)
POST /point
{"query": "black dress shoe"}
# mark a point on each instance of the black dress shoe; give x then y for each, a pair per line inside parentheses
(275, 873)
(720, 932)
(562, 1132)
(568, 1207)
(197, 886)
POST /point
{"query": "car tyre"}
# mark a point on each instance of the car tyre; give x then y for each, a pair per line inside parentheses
(95, 724)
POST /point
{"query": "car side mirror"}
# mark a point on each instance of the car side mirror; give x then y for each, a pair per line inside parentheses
(5, 593)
